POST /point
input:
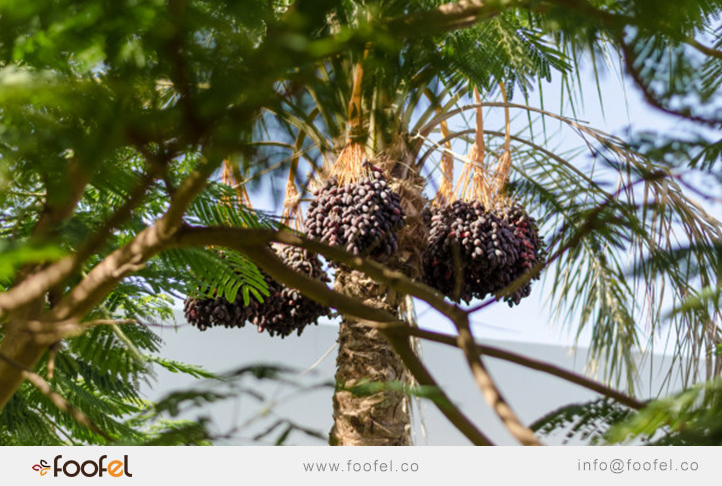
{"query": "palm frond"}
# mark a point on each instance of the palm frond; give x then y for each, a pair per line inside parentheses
(604, 220)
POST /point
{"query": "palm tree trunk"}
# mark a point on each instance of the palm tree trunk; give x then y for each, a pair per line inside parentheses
(380, 418)
(383, 417)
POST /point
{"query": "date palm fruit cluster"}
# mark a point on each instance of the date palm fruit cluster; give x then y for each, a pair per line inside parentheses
(361, 217)
(282, 312)
(489, 247)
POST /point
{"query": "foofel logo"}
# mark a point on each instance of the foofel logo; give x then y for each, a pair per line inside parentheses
(102, 467)
(42, 467)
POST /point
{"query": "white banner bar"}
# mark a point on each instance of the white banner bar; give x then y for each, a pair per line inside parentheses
(375, 466)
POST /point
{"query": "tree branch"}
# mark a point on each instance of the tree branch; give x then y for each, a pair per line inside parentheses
(651, 97)
(401, 345)
(709, 51)
(121, 214)
(494, 352)
(253, 242)
(449, 17)
(45, 333)
(35, 287)
(488, 388)
(52, 215)
(101, 280)
(255, 248)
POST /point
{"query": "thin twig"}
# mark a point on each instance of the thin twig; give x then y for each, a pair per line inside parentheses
(45, 333)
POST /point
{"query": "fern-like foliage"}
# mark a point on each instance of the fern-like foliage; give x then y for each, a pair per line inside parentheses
(167, 421)
(581, 424)
(692, 417)
(99, 375)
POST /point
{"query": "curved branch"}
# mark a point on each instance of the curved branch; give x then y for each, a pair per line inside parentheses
(448, 17)
(651, 97)
(494, 352)
(101, 280)
(54, 214)
(491, 392)
(37, 284)
(709, 51)
(401, 345)
(243, 240)
(256, 249)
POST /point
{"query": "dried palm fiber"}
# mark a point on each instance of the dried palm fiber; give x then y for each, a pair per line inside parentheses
(480, 241)
(444, 193)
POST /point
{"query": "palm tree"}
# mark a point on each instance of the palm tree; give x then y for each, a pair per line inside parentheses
(399, 100)
(384, 95)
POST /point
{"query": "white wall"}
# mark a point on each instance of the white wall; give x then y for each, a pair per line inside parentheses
(531, 393)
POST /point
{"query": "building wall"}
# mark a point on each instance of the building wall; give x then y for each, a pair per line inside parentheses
(306, 398)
